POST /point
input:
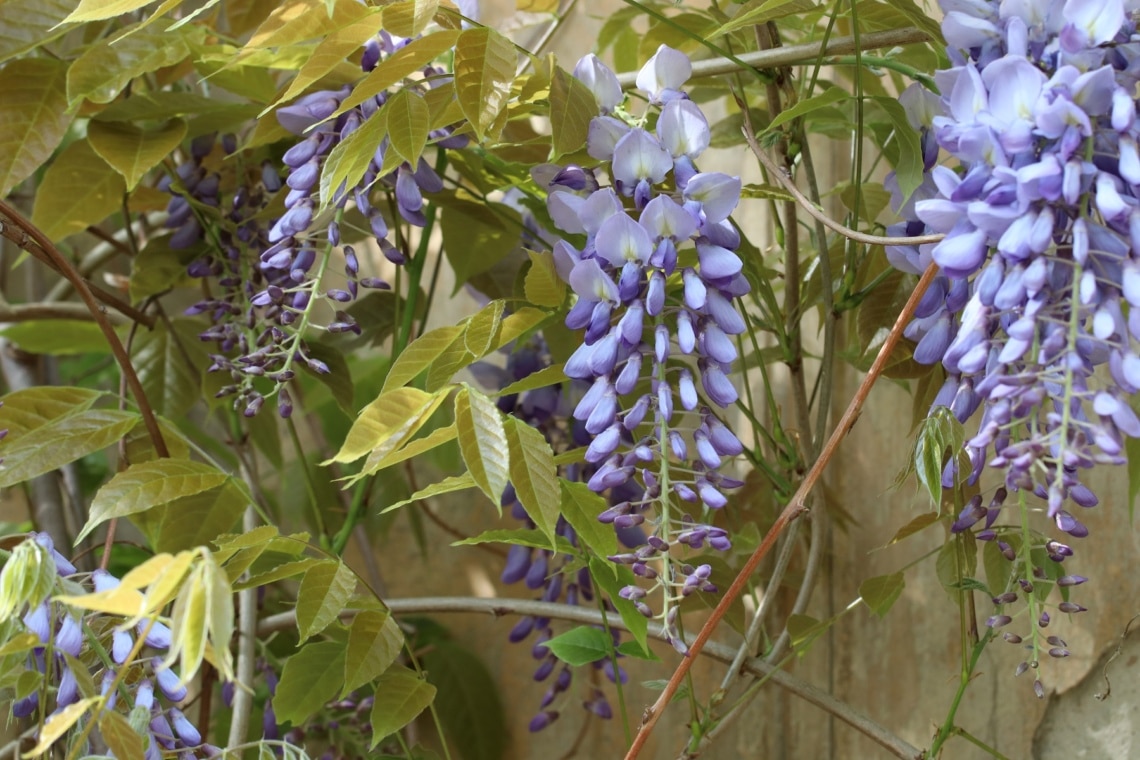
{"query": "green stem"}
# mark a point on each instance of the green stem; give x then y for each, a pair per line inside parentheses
(879, 62)
(310, 485)
(355, 508)
(948, 729)
(979, 744)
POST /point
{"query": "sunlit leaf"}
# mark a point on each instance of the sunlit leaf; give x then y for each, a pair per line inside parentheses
(447, 485)
(764, 12)
(169, 361)
(518, 537)
(572, 106)
(533, 475)
(27, 578)
(278, 573)
(324, 593)
(131, 151)
(310, 678)
(543, 286)
(193, 520)
(57, 337)
(150, 484)
(33, 117)
(581, 507)
(105, 68)
(294, 21)
(330, 53)
(350, 159)
(401, 695)
(408, 18)
(78, 190)
(59, 724)
(120, 737)
(96, 10)
(409, 121)
(28, 24)
(374, 643)
(484, 69)
(483, 441)
(880, 593)
(62, 441)
(388, 422)
(403, 63)
(415, 448)
(419, 354)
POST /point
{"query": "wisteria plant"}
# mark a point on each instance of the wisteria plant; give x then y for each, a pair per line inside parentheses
(312, 307)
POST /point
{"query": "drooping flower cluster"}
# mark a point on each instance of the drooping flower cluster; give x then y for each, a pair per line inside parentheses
(547, 410)
(1040, 267)
(655, 281)
(62, 636)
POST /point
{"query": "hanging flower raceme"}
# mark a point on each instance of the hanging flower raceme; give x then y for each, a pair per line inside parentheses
(655, 283)
(1039, 280)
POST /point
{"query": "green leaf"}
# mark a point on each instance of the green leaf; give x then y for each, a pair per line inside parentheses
(330, 54)
(1132, 451)
(121, 739)
(909, 168)
(105, 68)
(78, 190)
(477, 236)
(278, 573)
(409, 122)
(96, 10)
(552, 375)
(467, 701)
(763, 13)
(403, 63)
(339, 377)
(409, 17)
(33, 117)
(543, 286)
(169, 365)
(572, 107)
(387, 422)
(61, 442)
(447, 485)
(158, 267)
(611, 578)
(310, 678)
(581, 645)
(350, 159)
(294, 21)
(419, 354)
(57, 337)
(28, 24)
(803, 630)
(880, 593)
(581, 507)
(374, 643)
(999, 570)
(956, 560)
(518, 537)
(131, 151)
(59, 724)
(27, 578)
(483, 442)
(193, 520)
(814, 103)
(323, 595)
(150, 484)
(482, 331)
(916, 525)
(400, 696)
(534, 475)
(419, 446)
(939, 431)
(32, 408)
(484, 70)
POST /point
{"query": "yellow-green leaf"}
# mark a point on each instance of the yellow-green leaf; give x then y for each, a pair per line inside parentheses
(552, 375)
(534, 475)
(386, 423)
(32, 408)
(543, 286)
(330, 53)
(59, 724)
(581, 507)
(123, 740)
(403, 63)
(296, 21)
(419, 446)
(409, 121)
(401, 695)
(96, 10)
(763, 12)
(483, 441)
(105, 68)
(572, 106)
(348, 161)
(220, 611)
(447, 485)
(408, 18)
(169, 363)
(28, 24)
(57, 337)
(189, 625)
(78, 189)
(323, 595)
(309, 679)
(33, 117)
(374, 642)
(521, 322)
(484, 70)
(148, 485)
(193, 520)
(420, 353)
(483, 328)
(131, 151)
(62, 441)
(26, 579)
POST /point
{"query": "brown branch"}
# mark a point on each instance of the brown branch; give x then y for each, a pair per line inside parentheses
(795, 508)
(30, 238)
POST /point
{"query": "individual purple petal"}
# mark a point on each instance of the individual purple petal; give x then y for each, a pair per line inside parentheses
(563, 208)
(603, 136)
(639, 156)
(184, 728)
(620, 239)
(716, 193)
(589, 281)
(717, 262)
(683, 129)
(667, 69)
(600, 80)
(664, 218)
(717, 385)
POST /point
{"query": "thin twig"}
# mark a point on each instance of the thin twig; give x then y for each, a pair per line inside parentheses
(795, 508)
(859, 237)
(60, 263)
(806, 52)
(500, 607)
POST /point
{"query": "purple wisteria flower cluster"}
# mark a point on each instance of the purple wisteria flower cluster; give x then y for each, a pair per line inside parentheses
(655, 279)
(547, 409)
(62, 636)
(1040, 267)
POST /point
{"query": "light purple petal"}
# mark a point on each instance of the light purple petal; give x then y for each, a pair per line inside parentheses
(622, 240)
(717, 193)
(664, 217)
(668, 69)
(717, 262)
(639, 156)
(563, 208)
(591, 283)
(683, 129)
(603, 136)
(601, 81)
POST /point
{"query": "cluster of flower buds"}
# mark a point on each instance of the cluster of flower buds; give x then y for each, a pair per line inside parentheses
(1039, 281)
(62, 637)
(655, 282)
(546, 409)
